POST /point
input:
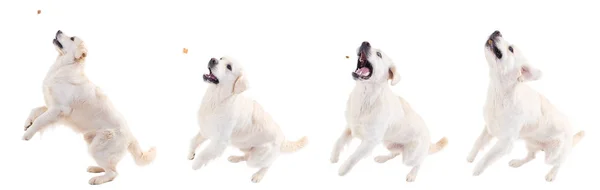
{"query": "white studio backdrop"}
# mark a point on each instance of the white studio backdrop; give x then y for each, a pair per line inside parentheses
(294, 53)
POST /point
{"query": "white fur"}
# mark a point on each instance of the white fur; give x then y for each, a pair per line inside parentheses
(375, 115)
(227, 117)
(513, 111)
(74, 101)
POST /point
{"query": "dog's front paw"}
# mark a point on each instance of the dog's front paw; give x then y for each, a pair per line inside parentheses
(235, 159)
(551, 176)
(381, 159)
(478, 170)
(334, 158)
(470, 158)
(410, 177)
(198, 163)
(27, 136)
(191, 155)
(344, 169)
(515, 163)
(257, 177)
(28, 124)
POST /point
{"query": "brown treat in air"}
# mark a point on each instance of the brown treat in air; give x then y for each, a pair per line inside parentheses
(347, 57)
(39, 11)
(185, 50)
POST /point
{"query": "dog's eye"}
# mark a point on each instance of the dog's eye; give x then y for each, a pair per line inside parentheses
(510, 48)
(379, 54)
(229, 67)
(72, 38)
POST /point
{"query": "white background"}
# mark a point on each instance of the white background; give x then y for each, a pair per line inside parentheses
(294, 52)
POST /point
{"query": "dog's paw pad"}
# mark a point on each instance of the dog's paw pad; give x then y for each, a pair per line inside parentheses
(381, 159)
(515, 163)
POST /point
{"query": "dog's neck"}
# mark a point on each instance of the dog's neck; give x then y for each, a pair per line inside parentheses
(217, 93)
(369, 92)
(66, 63)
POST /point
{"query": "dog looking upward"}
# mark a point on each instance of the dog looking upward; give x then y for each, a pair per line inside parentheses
(374, 114)
(513, 111)
(74, 101)
(227, 117)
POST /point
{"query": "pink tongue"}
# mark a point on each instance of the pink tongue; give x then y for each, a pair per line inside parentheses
(363, 71)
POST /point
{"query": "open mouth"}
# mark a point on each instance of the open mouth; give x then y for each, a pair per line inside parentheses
(364, 69)
(57, 43)
(491, 44)
(210, 77)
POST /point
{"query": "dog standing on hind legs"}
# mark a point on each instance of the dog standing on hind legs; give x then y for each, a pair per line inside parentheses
(376, 115)
(227, 117)
(513, 111)
(74, 101)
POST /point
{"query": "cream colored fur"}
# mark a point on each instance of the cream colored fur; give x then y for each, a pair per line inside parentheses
(374, 114)
(226, 117)
(513, 111)
(74, 101)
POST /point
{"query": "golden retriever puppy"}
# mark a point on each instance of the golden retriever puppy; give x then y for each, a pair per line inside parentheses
(374, 114)
(514, 111)
(227, 117)
(74, 101)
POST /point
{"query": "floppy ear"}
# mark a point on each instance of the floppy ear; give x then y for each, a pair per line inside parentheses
(240, 85)
(393, 75)
(529, 73)
(80, 52)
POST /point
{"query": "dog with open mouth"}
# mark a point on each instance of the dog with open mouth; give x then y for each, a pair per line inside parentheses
(74, 101)
(228, 118)
(514, 111)
(375, 115)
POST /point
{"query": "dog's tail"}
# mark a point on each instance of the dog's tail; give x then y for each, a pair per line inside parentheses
(293, 146)
(577, 137)
(141, 158)
(438, 146)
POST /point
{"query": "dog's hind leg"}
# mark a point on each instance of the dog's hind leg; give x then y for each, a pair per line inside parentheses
(483, 139)
(237, 159)
(195, 142)
(556, 154)
(107, 148)
(344, 139)
(89, 137)
(262, 157)
(413, 155)
(395, 150)
(532, 149)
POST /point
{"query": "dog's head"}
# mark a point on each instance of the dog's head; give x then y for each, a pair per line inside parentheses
(227, 73)
(374, 66)
(71, 46)
(507, 62)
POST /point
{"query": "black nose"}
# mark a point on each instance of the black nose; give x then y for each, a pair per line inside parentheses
(212, 62)
(58, 33)
(365, 44)
(365, 47)
(495, 35)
